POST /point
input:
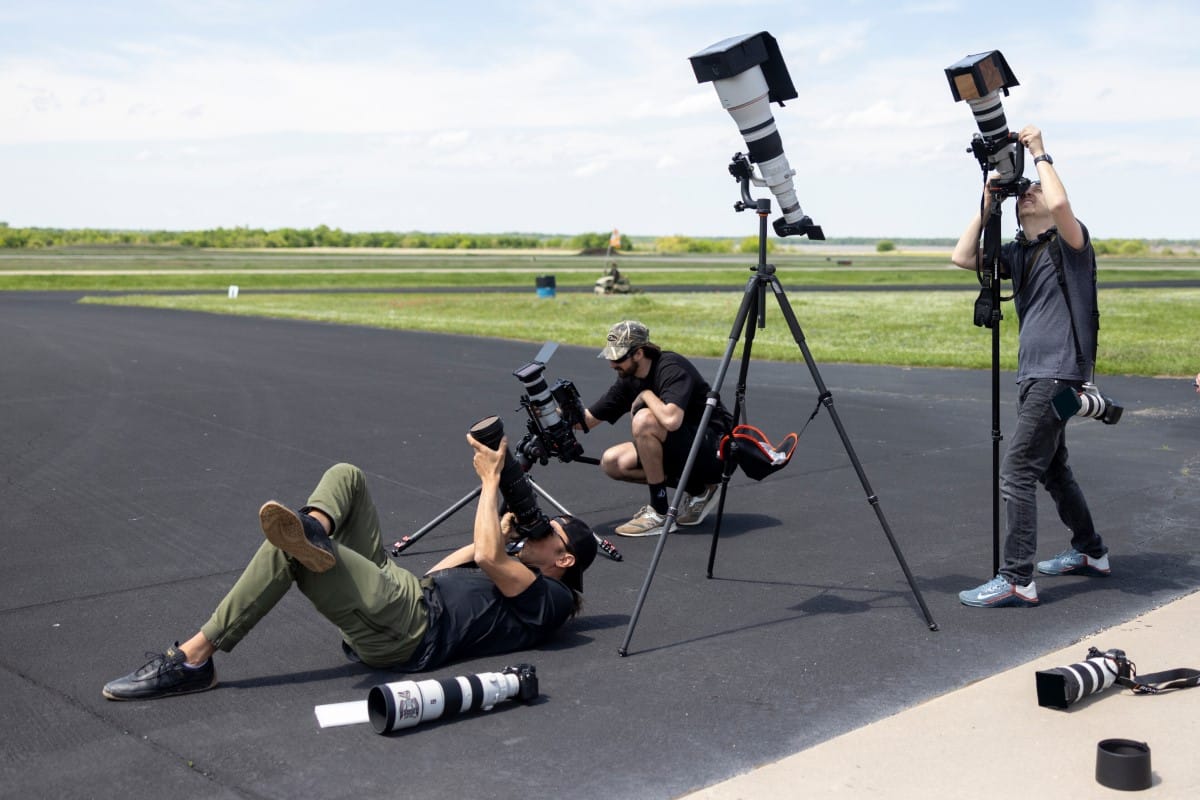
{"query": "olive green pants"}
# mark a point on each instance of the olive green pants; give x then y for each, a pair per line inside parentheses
(378, 607)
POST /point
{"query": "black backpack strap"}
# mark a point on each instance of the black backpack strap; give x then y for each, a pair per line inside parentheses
(1056, 256)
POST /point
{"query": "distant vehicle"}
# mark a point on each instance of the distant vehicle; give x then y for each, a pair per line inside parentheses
(612, 282)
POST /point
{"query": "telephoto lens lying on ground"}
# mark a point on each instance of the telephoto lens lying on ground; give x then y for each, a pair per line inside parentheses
(1062, 686)
(514, 486)
(405, 704)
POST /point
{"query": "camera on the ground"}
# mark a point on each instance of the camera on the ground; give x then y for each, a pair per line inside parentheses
(405, 704)
(1062, 686)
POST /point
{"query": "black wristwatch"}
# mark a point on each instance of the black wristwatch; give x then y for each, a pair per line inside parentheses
(1043, 157)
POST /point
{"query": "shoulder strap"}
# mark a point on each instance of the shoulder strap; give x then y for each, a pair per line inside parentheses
(1159, 682)
(1056, 256)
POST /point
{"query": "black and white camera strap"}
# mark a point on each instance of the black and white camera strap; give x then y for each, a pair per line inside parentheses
(1159, 682)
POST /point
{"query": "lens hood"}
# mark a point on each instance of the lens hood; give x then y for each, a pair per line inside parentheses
(1123, 764)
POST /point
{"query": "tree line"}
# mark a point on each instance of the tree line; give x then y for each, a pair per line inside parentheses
(594, 242)
(320, 236)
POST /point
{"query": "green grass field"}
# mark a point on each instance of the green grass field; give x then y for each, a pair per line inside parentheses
(1143, 331)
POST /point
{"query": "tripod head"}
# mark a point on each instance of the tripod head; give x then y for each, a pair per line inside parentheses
(743, 171)
(985, 152)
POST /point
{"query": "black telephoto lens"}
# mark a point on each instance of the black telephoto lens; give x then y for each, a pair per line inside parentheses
(514, 487)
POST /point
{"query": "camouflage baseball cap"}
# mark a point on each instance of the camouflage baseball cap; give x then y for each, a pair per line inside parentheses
(625, 336)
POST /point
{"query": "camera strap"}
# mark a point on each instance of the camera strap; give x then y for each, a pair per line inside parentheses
(1159, 682)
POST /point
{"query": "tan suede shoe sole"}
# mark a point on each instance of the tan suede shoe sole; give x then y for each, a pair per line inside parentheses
(284, 529)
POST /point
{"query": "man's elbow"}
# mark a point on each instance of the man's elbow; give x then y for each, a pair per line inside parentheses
(487, 557)
(963, 260)
(1059, 207)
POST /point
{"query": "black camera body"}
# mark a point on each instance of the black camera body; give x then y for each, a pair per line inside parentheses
(527, 681)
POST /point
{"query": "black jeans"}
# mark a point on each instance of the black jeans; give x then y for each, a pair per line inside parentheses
(1037, 453)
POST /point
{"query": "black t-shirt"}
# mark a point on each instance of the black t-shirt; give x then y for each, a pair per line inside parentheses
(674, 379)
(469, 617)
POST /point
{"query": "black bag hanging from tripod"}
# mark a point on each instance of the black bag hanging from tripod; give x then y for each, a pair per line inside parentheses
(750, 449)
(753, 452)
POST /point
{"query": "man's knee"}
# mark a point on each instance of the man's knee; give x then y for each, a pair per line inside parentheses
(1017, 486)
(610, 462)
(646, 424)
(347, 473)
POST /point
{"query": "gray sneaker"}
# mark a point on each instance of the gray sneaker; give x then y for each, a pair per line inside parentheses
(1073, 562)
(695, 509)
(998, 592)
(647, 522)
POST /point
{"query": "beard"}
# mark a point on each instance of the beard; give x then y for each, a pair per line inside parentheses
(628, 369)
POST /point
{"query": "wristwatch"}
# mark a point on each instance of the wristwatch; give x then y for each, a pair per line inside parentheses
(1043, 157)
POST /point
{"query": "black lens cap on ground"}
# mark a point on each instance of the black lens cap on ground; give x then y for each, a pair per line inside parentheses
(1123, 764)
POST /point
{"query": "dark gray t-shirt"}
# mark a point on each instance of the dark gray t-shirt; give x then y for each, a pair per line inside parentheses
(1047, 349)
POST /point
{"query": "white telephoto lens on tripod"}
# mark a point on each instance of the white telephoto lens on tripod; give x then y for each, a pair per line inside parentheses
(746, 97)
(993, 126)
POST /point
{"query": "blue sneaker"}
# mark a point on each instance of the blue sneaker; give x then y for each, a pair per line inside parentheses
(999, 592)
(1073, 562)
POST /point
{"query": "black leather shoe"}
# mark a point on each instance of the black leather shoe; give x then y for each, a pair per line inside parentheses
(165, 674)
(307, 543)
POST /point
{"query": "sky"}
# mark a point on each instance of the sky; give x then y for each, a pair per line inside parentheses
(566, 116)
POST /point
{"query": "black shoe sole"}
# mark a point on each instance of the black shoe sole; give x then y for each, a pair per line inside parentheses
(155, 696)
(284, 529)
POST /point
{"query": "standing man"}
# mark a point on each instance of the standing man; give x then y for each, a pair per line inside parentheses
(477, 601)
(665, 395)
(1052, 337)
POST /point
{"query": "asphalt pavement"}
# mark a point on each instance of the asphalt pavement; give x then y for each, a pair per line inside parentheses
(138, 445)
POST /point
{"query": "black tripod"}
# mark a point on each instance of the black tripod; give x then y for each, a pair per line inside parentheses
(754, 307)
(991, 283)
